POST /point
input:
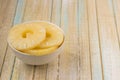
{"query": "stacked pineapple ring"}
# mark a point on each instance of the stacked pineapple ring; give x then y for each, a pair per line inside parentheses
(36, 38)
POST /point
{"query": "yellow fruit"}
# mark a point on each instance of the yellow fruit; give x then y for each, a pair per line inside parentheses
(54, 36)
(36, 38)
(38, 51)
(26, 36)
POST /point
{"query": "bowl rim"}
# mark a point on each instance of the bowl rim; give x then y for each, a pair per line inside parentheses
(26, 54)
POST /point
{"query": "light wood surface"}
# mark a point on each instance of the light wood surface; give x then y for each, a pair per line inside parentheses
(92, 43)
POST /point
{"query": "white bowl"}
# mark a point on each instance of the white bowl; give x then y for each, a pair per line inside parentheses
(38, 60)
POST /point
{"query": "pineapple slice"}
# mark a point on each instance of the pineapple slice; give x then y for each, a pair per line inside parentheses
(26, 36)
(54, 36)
(38, 51)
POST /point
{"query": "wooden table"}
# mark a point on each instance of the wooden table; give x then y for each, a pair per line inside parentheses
(92, 45)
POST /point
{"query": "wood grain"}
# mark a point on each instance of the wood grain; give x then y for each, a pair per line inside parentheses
(69, 59)
(92, 43)
(37, 10)
(30, 13)
(53, 67)
(96, 60)
(108, 40)
(20, 70)
(85, 59)
(1, 3)
(7, 11)
(116, 8)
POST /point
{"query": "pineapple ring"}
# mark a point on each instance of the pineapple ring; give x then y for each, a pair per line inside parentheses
(26, 36)
(54, 36)
(38, 51)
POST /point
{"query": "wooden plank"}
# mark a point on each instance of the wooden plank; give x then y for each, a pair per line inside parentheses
(117, 16)
(85, 57)
(96, 61)
(37, 10)
(41, 10)
(7, 11)
(2, 38)
(44, 14)
(20, 70)
(109, 40)
(28, 71)
(56, 12)
(1, 3)
(8, 65)
(53, 67)
(9, 60)
(69, 59)
(19, 11)
(40, 72)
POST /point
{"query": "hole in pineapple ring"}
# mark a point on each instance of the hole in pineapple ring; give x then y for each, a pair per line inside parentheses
(48, 34)
(25, 34)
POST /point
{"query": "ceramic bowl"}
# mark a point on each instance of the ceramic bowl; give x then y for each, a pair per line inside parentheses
(39, 59)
